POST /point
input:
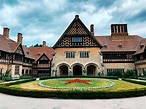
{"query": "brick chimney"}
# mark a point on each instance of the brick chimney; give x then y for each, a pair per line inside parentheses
(44, 44)
(19, 38)
(119, 31)
(6, 32)
(92, 29)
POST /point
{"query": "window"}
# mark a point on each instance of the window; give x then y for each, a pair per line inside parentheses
(16, 69)
(120, 46)
(70, 54)
(115, 70)
(22, 71)
(84, 54)
(43, 62)
(30, 71)
(0, 71)
(105, 46)
(76, 39)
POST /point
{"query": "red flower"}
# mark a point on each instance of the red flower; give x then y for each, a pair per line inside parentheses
(77, 81)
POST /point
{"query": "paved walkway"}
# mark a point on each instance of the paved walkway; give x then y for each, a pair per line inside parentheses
(14, 102)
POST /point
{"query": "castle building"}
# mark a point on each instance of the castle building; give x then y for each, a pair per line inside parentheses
(78, 52)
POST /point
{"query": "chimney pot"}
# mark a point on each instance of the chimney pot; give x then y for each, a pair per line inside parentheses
(6, 32)
(44, 43)
(19, 38)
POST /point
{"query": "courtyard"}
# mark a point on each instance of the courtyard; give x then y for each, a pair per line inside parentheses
(15, 102)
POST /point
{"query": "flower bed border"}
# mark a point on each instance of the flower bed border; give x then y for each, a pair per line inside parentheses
(77, 88)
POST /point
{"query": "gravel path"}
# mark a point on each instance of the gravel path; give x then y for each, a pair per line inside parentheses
(14, 102)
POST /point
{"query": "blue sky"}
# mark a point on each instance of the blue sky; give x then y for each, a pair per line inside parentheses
(40, 20)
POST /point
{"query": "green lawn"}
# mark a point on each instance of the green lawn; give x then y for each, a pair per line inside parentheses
(119, 84)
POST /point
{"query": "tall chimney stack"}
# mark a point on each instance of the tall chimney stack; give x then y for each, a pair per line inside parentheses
(19, 38)
(44, 43)
(92, 29)
(6, 32)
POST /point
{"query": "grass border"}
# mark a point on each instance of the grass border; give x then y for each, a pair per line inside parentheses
(76, 94)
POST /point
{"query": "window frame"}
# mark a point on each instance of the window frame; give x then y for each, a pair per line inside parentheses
(84, 54)
(69, 54)
(78, 39)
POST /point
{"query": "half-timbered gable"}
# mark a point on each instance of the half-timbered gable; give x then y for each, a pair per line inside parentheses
(140, 58)
(77, 51)
(18, 54)
(77, 35)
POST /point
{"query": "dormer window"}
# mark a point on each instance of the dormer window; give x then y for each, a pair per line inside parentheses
(120, 46)
(141, 46)
(76, 39)
(105, 46)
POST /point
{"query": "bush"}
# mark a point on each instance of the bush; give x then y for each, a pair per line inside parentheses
(106, 77)
(72, 94)
(6, 77)
(115, 73)
(26, 77)
(136, 82)
(129, 73)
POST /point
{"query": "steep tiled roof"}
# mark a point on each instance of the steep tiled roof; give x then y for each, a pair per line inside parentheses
(141, 47)
(37, 52)
(27, 52)
(8, 45)
(109, 45)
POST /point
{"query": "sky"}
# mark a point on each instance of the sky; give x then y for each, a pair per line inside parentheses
(46, 20)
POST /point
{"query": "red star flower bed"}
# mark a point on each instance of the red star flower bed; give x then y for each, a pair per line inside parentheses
(77, 81)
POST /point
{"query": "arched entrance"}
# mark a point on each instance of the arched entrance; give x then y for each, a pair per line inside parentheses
(91, 69)
(77, 70)
(63, 70)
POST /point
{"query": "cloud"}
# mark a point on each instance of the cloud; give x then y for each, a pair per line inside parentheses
(47, 20)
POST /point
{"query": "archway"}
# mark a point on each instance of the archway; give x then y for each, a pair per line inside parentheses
(91, 69)
(77, 70)
(63, 70)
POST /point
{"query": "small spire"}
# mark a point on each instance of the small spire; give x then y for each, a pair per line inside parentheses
(76, 16)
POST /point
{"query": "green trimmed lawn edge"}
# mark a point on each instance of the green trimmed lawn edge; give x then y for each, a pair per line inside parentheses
(76, 94)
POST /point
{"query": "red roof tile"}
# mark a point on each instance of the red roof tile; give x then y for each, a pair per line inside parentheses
(27, 52)
(8, 45)
(141, 47)
(130, 44)
(38, 51)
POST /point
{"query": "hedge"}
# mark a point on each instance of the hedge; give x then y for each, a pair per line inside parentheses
(106, 77)
(18, 82)
(76, 94)
(72, 94)
(134, 81)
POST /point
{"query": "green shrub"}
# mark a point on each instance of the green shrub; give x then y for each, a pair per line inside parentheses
(136, 82)
(20, 81)
(6, 77)
(129, 73)
(115, 73)
(106, 77)
(26, 77)
(72, 94)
